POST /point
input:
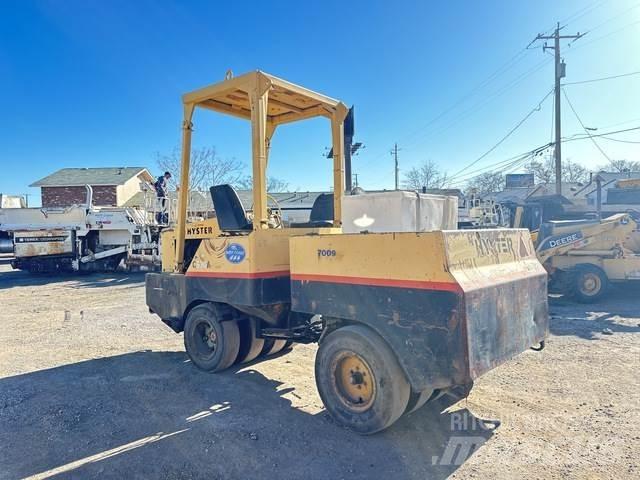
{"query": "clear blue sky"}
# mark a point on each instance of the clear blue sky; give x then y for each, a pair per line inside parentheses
(98, 83)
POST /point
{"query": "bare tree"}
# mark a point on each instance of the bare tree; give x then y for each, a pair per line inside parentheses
(206, 168)
(276, 185)
(273, 184)
(485, 183)
(544, 171)
(427, 175)
(574, 172)
(622, 166)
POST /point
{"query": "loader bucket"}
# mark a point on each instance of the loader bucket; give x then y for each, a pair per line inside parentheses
(504, 294)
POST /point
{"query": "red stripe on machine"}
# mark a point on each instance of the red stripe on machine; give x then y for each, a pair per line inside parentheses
(242, 275)
(379, 282)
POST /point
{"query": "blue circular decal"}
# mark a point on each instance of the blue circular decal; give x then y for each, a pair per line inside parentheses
(234, 253)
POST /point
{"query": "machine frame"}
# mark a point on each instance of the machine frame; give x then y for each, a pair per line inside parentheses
(402, 318)
(267, 102)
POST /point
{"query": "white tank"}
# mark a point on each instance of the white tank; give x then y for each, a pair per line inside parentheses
(399, 211)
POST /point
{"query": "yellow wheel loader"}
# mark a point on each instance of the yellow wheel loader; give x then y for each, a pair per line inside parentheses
(585, 256)
(401, 318)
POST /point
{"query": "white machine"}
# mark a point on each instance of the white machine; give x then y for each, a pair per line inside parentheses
(81, 237)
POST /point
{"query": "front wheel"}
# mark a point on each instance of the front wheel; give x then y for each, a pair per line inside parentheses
(212, 344)
(360, 380)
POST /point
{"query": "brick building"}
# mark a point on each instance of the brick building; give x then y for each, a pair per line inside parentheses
(112, 186)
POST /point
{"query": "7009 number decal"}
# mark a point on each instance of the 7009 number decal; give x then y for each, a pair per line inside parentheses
(326, 252)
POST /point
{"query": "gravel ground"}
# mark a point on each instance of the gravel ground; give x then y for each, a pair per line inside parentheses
(92, 385)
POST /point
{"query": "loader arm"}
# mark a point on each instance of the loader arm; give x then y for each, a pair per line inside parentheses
(603, 238)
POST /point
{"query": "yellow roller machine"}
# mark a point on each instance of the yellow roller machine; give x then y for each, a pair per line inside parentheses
(401, 318)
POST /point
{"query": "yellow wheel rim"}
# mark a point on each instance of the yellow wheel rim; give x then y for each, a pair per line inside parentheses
(353, 381)
(591, 284)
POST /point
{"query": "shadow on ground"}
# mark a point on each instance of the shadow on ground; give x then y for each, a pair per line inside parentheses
(588, 321)
(152, 415)
(18, 278)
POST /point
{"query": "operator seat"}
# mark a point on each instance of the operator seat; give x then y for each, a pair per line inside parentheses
(230, 213)
(321, 213)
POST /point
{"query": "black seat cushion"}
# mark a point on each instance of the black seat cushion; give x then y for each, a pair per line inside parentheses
(321, 213)
(230, 213)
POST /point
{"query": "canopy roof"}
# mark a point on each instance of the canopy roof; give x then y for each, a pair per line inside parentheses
(286, 101)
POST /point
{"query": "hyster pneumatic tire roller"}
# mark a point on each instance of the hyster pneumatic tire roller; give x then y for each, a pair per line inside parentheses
(403, 315)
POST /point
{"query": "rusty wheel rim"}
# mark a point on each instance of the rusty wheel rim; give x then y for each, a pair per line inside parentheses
(591, 284)
(354, 382)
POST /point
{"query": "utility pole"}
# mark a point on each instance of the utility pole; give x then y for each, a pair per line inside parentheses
(560, 72)
(355, 180)
(394, 152)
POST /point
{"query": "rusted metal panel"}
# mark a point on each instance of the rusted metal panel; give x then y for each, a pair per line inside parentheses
(505, 294)
(39, 243)
(422, 326)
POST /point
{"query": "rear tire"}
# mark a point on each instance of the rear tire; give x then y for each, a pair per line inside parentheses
(266, 348)
(452, 396)
(250, 345)
(360, 380)
(272, 346)
(212, 344)
(418, 399)
(588, 283)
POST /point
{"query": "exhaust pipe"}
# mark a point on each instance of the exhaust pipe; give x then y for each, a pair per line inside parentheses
(89, 196)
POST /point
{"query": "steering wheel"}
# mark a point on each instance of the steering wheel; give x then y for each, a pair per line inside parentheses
(275, 215)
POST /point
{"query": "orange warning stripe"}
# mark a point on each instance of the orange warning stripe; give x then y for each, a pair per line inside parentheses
(241, 275)
(379, 282)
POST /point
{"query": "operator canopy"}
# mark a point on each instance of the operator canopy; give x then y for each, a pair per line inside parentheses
(286, 102)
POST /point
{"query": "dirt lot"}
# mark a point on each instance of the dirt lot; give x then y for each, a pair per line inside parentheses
(92, 385)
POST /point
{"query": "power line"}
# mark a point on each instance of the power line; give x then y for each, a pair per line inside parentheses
(502, 69)
(509, 164)
(526, 74)
(621, 123)
(602, 78)
(602, 37)
(505, 67)
(585, 11)
(619, 140)
(535, 109)
(498, 168)
(576, 15)
(517, 160)
(516, 58)
(485, 101)
(583, 127)
(497, 165)
(611, 19)
(587, 136)
(482, 103)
